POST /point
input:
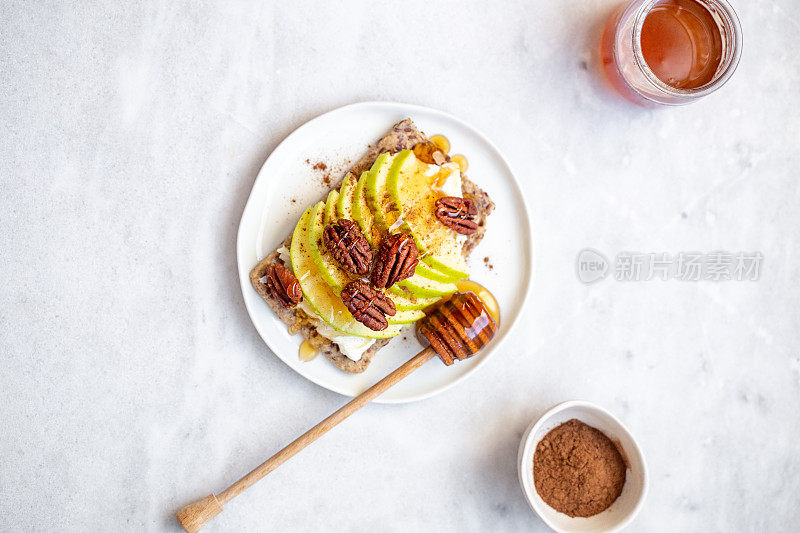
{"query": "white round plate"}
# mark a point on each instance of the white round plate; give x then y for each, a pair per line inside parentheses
(287, 184)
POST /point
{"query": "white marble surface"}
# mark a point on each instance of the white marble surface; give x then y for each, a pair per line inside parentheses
(133, 382)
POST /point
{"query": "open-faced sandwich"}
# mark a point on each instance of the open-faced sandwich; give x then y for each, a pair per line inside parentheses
(389, 241)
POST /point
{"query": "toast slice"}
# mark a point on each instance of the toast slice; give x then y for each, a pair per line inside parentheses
(403, 135)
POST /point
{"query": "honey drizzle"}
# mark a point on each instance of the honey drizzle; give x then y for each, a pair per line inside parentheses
(343, 237)
(306, 352)
(363, 309)
(461, 161)
(458, 214)
(483, 294)
(443, 143)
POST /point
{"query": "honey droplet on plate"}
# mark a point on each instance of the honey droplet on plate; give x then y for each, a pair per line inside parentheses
(461, 160)
(307, 352)
(442, 142)
(487, 298)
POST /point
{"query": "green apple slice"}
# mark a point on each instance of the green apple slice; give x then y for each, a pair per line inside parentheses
(424, 287)
(330, 207)
(450, 262)
(421, 287)
(409, 302)
(404, 163)
(344, 205)
(361, 213)
(404, 299)
(411, 190)
(332, 274)
(404, 317)
(374, 192)
(318, 294)
(425, 271)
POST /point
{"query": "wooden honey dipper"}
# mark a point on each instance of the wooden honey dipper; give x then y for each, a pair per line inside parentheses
(458, 329)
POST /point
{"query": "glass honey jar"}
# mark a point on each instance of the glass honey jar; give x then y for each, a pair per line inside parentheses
(671, 52)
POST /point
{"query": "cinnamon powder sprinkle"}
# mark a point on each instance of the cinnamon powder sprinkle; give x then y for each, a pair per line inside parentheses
(578, 470)
(322, 168)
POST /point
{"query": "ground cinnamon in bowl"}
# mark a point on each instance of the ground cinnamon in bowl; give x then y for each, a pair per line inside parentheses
(578, 470)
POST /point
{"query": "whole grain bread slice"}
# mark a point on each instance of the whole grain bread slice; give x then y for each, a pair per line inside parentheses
(403, 135)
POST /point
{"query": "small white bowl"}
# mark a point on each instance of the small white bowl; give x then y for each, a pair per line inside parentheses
(624, 509)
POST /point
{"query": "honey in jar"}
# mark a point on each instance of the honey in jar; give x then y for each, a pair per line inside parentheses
(681, 43)
(671, 51)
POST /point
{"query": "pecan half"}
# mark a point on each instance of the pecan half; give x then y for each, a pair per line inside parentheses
(367, 305)
(397, 258)
(283, 286)
(457, 214)
(347, 245)
(428, 152)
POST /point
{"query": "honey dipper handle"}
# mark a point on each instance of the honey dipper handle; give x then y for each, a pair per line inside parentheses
(196, 515)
